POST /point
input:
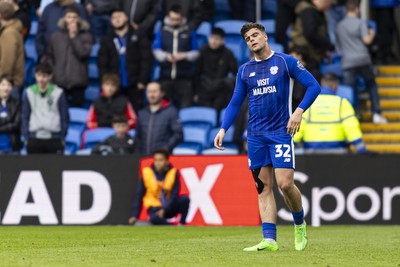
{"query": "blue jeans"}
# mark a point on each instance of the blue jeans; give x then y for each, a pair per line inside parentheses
(100, 25)
(366, 72)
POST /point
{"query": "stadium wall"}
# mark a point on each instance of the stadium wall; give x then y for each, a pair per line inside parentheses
(59, 190)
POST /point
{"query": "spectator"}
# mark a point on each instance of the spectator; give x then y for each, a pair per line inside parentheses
(243, 9)
(142, 15)
(158, 191)
(40, 5)
(190, 9)
(310, 29)
(99, 13)
(353, 36)
(11, 48)
(23, 15)
(330, 123)
(176, 49)
(10, 119)
(48, 22)
(119, 144)
(158, 124)
(285, 15)
(68, 51)
(45, 116)
(384, 11)
(214, 87)
(110, 104)
(123, 53)
(335, 14)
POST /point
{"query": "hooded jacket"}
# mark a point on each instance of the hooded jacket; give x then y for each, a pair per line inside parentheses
(161, 129)
(69, 56)
(12, 57)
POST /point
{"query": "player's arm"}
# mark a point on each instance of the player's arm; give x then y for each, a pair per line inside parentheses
(298, 72)
(232, 110)
(137, 206)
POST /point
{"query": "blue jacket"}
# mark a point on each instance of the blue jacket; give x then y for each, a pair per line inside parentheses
(48, 24)
(385, 3)
(161, 129)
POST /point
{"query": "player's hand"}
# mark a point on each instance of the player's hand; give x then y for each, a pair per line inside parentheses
(160, 213)
(218, 139)
(132, 220)
(293, 125)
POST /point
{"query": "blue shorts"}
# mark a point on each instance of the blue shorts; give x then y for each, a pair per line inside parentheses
(275, 150)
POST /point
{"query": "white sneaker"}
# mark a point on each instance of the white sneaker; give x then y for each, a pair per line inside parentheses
(378, 119)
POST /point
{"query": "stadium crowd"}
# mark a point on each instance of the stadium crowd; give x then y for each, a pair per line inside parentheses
(74, 73)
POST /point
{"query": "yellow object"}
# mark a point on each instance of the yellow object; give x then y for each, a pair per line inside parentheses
(155, 188)
(329, 123)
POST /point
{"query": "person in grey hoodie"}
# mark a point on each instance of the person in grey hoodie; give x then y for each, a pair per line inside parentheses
(68, 52)
(45, 116)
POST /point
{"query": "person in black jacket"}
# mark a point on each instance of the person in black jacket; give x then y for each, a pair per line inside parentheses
(122, 52)
(158, 125)
(214, 87)
(119, 144)
(10, 118)
(99, 14)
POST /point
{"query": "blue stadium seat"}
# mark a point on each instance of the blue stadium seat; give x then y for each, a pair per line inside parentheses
(198, 115)
(30, 49)
(93, 70)
(226, 151)
(91, 93)
(222, 10)
(72, 141)
(269, 25)
(187, 149)
(345, 91)
(203, 32)
(269, 8)
(335, 68)
(195, 135)
(276, 47)
(34, 28)
(84, 152)
(95, 50)
(95, 136)
(233, 39)
(78, 117)
(228, 140)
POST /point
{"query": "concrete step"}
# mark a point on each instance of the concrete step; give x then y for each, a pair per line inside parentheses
(387, 104)
(390, 115)
(384, 148)
(389, 92)
(389, 70)
(388, 81)
(381, 138)
(368, 127)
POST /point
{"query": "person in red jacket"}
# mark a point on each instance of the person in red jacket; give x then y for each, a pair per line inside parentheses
(110, 103)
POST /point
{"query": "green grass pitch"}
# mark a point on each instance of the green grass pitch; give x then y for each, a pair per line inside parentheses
(358, 246)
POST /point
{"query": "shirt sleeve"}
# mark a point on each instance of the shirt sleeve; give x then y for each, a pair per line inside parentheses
(299, 72)
(234, 105)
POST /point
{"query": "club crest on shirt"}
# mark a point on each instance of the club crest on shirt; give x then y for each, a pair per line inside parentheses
(274, 70)
(300, 66)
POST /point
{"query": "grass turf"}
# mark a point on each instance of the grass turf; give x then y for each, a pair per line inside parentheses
(195, 246)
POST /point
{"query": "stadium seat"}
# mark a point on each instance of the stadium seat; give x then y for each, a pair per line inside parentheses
(222, 10)
(269, 25)
(335, 68)
(78, 117)
(84, 152)
(195, 135)
(95, 50)
(34, 28)
(95, 136)
(91, 93)
(345, 91)
(226, 151)
(276, 47)
(187, 149)
(72, 141)
(269, 8)
(93, 70)
(203, 32)
(30, 49)
(198, 116)
(233, 39)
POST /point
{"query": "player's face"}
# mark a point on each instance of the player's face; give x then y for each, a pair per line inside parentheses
(5, 89)
(109, 89)
(154, 93)
(215, 41)
(256, 40)
(119, 20)
(160, 162)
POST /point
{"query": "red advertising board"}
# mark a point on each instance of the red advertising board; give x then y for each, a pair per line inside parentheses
(221, 189)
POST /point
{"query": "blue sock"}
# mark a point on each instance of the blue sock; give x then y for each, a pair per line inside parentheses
(269, 230)
(298, 217)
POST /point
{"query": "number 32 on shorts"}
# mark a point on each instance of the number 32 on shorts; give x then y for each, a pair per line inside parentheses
(282, 150)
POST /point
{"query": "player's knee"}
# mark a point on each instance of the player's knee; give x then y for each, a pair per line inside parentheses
(259, 184)
(286, 186)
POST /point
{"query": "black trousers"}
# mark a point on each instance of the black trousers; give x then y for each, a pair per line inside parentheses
(179, 91)
(75, 96)
(181, 205)
(45, 146)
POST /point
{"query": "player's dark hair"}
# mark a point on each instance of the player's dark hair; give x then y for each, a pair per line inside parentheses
(352, 5)
(119, 118)
(176, 8)
(251, 25)
(44, 67)
(218, 31)
(163, 152)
